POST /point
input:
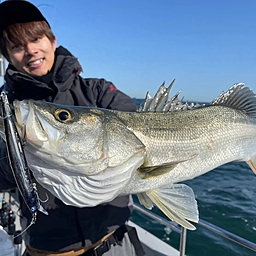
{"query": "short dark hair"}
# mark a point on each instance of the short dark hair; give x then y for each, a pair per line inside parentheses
(21, 33)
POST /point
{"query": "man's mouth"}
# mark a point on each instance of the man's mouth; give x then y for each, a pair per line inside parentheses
(35, 63)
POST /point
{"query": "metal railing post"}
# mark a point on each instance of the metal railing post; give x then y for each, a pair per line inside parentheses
(183, 241)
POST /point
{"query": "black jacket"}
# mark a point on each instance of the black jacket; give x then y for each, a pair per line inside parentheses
(66, 227)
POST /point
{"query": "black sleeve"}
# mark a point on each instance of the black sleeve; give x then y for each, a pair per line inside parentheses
(6, 177)
(108, 96)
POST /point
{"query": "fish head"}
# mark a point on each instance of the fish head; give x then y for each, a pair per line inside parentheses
(72, 138)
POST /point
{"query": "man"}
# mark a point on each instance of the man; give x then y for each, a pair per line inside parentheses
(40, 70)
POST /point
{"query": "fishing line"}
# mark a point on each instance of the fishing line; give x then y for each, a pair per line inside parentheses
(52, 20)
(33, 221)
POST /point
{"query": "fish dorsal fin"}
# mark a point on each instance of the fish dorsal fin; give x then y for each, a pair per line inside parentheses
(162, 103)
(239, 97)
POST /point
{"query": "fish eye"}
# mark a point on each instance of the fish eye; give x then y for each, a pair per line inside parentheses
(63, 115)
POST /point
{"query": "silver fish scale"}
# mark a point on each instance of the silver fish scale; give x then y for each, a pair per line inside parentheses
(120, 144)
(214, 151)
(76, 144)
(215, 134)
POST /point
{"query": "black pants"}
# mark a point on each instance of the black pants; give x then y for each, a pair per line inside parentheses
(115, 240)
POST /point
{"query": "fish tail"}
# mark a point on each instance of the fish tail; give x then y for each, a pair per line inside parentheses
(177, 202)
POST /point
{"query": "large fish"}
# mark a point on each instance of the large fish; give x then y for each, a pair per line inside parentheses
(86, 156)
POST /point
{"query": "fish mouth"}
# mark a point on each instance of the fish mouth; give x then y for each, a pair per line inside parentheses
(32, 126)
(21, 113)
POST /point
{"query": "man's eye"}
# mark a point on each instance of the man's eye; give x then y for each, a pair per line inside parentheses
(17, 48)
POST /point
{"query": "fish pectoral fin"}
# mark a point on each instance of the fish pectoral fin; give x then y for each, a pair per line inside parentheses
(177, 202)
(145, 200)
(157, 170)
(147, 172)
(252, 164)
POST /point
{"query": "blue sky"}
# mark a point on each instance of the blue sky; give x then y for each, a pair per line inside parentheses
(137, 44)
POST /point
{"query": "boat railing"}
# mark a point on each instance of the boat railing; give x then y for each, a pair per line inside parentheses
(207, 225)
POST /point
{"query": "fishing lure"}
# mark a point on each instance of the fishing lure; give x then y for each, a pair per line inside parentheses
(18, 161)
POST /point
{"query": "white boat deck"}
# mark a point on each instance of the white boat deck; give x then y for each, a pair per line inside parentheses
(153, 246)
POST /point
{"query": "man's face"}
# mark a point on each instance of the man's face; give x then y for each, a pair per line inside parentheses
(35, 58)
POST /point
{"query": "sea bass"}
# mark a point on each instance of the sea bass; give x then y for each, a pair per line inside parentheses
(86, 156)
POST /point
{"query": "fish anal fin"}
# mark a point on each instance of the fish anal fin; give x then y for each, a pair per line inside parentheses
(145, 200)
(177, 202)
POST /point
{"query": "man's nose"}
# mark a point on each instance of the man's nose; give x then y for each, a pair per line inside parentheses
(31, 48)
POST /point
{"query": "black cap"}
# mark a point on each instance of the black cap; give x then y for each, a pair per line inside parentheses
(13, 12)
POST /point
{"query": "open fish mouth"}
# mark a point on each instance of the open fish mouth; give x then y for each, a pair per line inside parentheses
(21, 114)
(39, 131)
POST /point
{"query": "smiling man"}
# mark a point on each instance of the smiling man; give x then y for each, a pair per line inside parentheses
(35, 56)
(40, 70)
